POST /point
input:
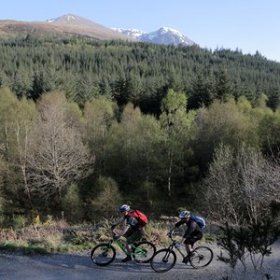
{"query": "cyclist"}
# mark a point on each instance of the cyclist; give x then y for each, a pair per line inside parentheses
(192, 234)
(133, 229)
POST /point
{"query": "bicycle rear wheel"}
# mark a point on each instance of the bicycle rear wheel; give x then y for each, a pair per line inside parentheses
(201, 257)
(143, 251)
(103, 254)
(163, 260)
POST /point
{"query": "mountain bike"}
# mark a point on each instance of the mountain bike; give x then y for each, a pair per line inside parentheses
(105, 253)
(165, 259)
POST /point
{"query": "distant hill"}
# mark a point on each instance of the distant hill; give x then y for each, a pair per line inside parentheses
(66, 25)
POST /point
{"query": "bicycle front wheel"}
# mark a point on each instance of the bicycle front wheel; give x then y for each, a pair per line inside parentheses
(103, 254)
(201, 257)
(163, 260)
(143, 251)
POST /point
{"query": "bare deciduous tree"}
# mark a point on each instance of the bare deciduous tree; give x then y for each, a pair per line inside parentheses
(221, 186)
(59, 157)
(16, 124)
(23, 124)
(241, 186)
(259, 182)
(2, 171)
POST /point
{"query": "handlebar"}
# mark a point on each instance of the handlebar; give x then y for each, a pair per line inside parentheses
(169, 234)
(116, 234)
(174, 242)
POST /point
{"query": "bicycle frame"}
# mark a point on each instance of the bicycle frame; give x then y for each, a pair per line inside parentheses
(165, 259)
(173, 245)
(121, 244)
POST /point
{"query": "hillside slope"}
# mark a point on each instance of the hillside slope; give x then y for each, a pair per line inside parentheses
(67, 25)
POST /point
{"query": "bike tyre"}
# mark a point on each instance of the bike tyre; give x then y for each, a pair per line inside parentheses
(151, 250)
(157, 255)
(103, 246)
(199, 254)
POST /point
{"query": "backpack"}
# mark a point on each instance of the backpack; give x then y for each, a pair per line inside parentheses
(141, 217)
(199, 220)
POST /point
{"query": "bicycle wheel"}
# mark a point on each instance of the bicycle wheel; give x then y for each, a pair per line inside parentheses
(103, 254)
(163, 260)
(201, 257)
(143, 251)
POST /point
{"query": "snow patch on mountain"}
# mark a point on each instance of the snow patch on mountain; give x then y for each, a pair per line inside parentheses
(67, 17)
(133, 33)
(164, 35)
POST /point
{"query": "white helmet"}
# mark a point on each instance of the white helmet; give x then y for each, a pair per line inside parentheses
(184, 214)
(124, 208)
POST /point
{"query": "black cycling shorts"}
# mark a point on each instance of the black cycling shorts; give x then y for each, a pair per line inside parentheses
(190, 240)
(132, 235)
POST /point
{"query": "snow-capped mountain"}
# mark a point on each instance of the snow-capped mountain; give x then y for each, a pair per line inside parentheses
(164, 36)
(133, 33)
(72, 25)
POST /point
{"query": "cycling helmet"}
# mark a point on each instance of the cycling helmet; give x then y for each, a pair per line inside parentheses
(124, 208)
(184, 214)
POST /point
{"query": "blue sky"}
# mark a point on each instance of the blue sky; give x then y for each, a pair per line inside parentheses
(248, 25)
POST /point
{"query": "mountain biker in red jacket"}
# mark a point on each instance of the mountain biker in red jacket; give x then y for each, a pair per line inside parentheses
(133, 231)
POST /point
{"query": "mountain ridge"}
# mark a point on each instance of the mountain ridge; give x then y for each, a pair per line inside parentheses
(71, 25)
(164, 36)
(60, 26)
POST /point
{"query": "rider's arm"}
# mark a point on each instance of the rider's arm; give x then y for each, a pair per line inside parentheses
(175, 226)
(179, 223)
(121, 221)
(125, 227)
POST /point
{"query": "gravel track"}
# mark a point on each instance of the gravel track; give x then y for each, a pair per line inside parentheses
(70, 267)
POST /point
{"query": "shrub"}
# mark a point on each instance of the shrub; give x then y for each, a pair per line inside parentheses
(72, 205)
(107, 199)
(19, 221)
(253, 241)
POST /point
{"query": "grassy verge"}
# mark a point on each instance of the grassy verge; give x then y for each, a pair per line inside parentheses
(60, 237)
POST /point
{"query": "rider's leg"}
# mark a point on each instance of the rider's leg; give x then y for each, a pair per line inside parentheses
(128, 235)
(189, 242)
(131, 237)
(188, 248)
(128, 253)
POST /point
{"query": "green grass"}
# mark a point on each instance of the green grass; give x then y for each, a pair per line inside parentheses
(25, 249)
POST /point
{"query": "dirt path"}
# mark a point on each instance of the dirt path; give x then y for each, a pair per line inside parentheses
(70, 267)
